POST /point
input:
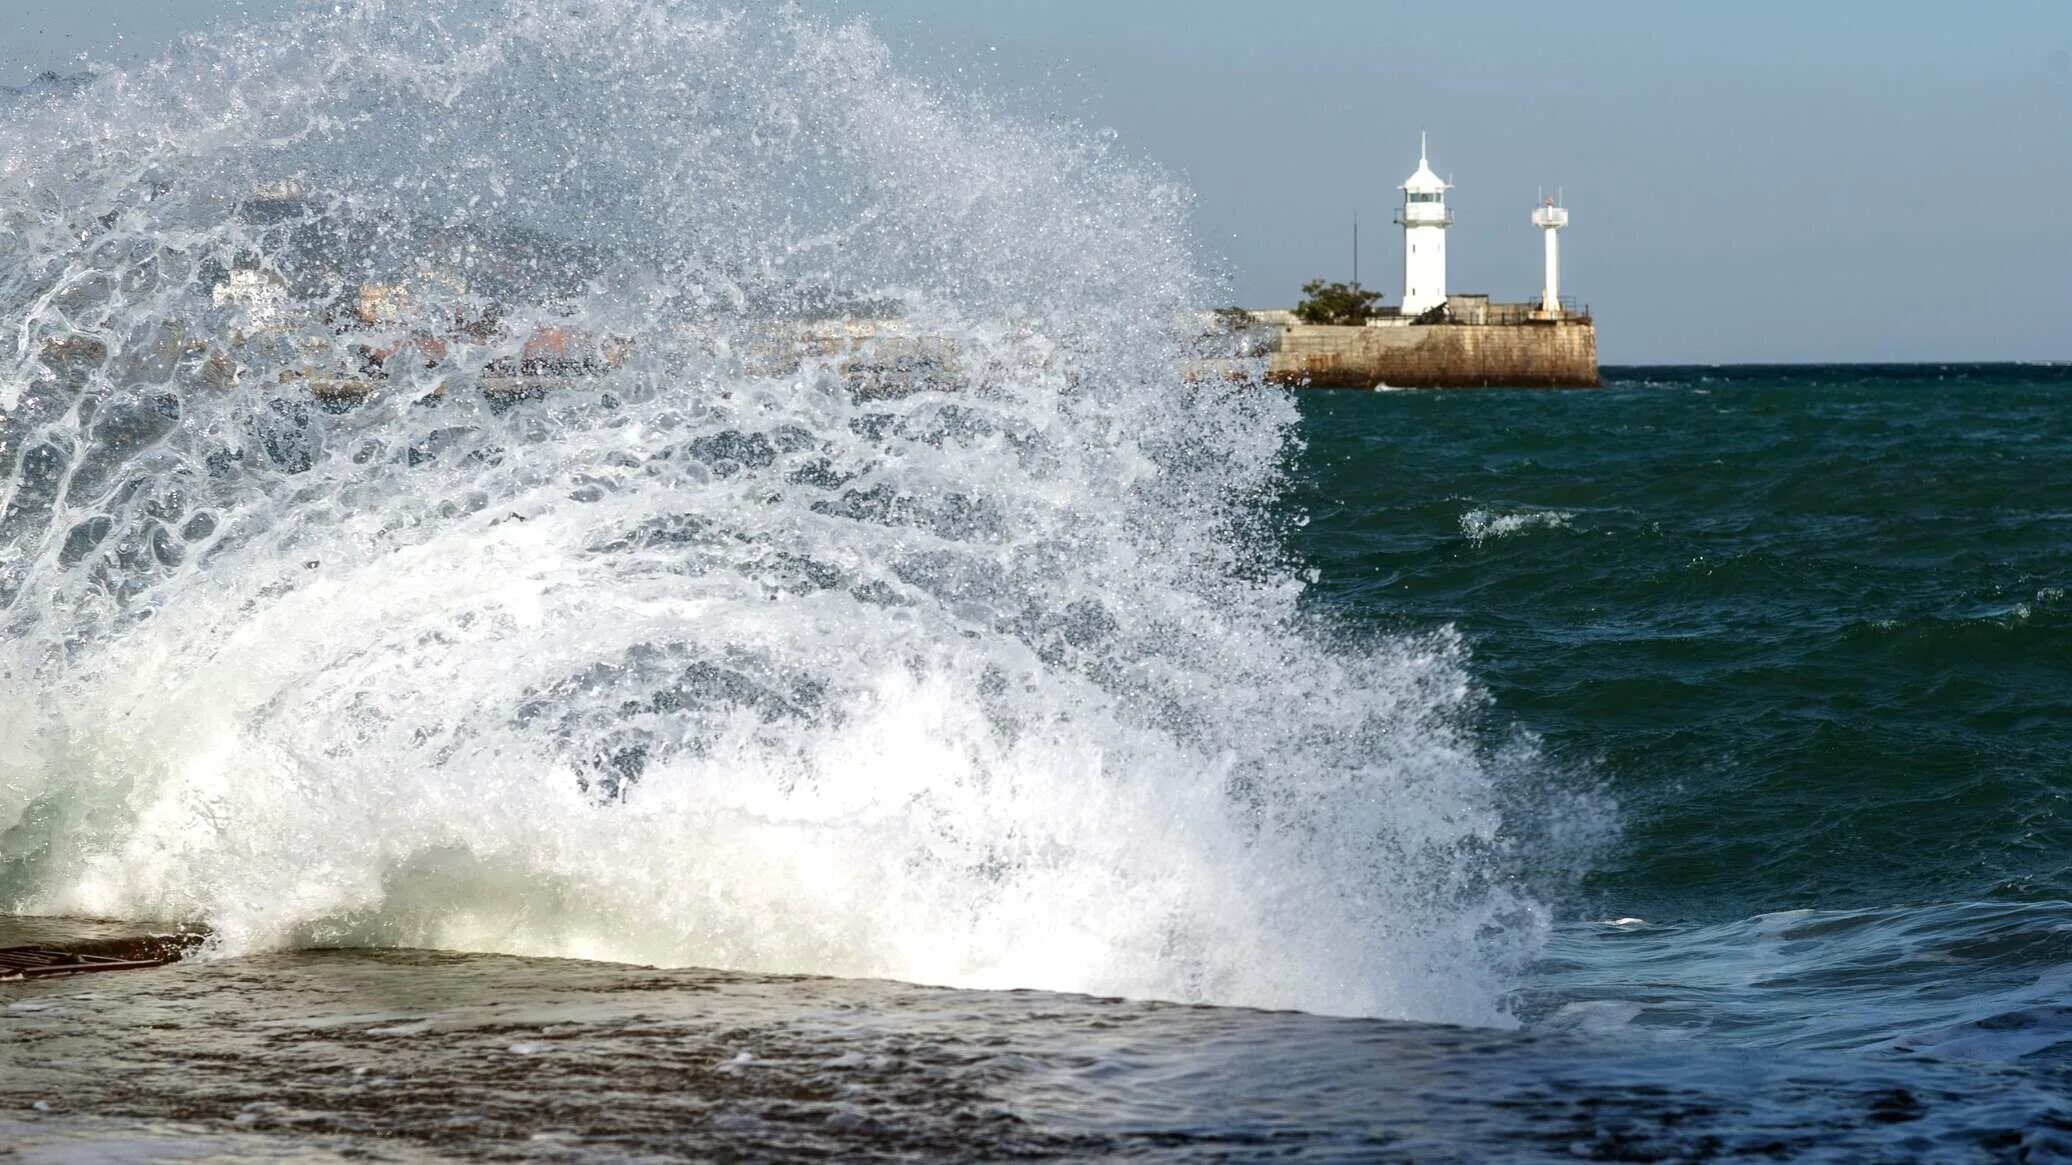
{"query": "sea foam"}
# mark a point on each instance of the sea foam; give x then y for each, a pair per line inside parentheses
(1479, 525)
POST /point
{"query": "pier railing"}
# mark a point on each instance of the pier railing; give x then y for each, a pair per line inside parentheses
(1526, 313)
(1501, 314)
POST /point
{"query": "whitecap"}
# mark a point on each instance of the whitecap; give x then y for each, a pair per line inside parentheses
(1480, 525)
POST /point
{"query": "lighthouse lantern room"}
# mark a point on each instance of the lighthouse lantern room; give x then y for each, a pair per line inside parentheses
(1425, 218)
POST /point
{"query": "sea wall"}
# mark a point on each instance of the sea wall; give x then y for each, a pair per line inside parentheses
(1535, 354)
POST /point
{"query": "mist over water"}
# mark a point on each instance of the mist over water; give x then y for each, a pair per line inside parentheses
(994, 675)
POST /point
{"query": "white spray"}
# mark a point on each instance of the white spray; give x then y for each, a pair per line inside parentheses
(995, 678)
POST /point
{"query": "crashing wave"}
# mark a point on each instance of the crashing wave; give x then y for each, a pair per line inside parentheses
(450, 496)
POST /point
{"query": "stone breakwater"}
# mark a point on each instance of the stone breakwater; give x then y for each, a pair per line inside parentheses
(1557, 353)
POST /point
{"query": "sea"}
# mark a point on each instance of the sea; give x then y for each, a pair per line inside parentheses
(461, 553)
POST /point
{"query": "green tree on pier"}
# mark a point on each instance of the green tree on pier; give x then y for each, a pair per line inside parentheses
(1336, 303)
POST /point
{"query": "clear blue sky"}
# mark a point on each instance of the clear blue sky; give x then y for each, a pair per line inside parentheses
(1761, 180)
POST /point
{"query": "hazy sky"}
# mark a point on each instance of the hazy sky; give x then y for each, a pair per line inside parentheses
(1762, 180)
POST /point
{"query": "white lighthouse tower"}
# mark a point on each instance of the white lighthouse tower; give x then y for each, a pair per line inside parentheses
(1551, 218)
(1425, 218)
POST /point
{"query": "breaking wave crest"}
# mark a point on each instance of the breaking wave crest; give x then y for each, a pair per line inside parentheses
(653, 483)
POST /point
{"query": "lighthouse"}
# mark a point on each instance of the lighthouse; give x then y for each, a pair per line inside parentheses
(1425, 218)
(1550, 218)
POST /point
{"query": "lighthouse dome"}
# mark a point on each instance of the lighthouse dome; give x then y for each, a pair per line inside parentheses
(1424, 181)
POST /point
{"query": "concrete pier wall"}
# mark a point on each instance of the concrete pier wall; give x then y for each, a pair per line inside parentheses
(1538, 354)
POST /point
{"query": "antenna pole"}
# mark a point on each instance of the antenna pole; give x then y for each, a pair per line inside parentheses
(1356, 250)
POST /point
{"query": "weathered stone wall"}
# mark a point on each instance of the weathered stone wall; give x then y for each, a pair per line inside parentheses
(1539, 354)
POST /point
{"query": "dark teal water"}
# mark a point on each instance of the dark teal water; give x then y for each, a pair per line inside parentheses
(1808, 628)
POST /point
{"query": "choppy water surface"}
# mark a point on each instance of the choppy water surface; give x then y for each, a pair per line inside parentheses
(407, 1056)
(1699, 746)
(1809, 627)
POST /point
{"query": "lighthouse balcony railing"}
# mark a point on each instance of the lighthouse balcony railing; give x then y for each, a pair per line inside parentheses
(1423, 216)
